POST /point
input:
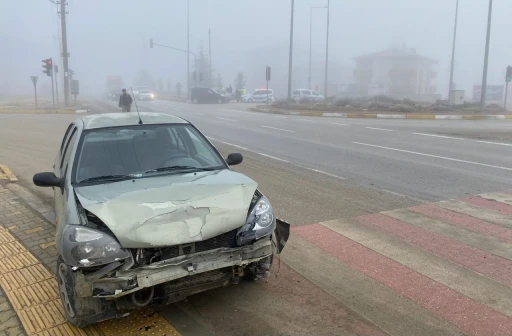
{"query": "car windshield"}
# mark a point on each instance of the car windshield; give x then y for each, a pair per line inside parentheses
(143, 150)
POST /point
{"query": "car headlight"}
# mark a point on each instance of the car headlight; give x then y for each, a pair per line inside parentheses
(260, 222)
(85, 247)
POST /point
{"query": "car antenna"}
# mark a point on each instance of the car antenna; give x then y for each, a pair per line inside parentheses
(135, 101)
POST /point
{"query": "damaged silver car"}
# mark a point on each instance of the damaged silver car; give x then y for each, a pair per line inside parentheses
(148, 212)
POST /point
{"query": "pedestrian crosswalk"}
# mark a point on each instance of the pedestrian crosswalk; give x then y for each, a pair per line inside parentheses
(435, 269)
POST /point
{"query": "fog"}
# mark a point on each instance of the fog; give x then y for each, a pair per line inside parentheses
(112, 38)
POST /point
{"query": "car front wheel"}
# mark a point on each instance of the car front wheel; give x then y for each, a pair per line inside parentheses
(80, 311)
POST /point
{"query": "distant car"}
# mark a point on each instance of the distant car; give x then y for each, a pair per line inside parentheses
(306, 95)
(137, 89)
(148, 212)
(145, 95)
(259, 96)
(207, 95)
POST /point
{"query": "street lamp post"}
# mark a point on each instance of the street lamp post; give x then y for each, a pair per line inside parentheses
(188, 49)
(453, 49)
(486, 58)
(310, 40)
(326, 54)
(290, 58)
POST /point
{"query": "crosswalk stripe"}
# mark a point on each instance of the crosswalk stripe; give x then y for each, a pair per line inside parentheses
(492, 245)
(485, 203)
(465, 221)
(477, 212)
(468, 315)
(475, 286)
(499, 197)
(494, 267)
(381, 305)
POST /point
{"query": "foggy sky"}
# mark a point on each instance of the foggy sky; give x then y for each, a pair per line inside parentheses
(111, 37)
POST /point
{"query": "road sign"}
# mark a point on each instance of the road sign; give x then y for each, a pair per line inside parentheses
(508, 77)
(268, 73)
(494, 93)
(75, 87)
(34, 80)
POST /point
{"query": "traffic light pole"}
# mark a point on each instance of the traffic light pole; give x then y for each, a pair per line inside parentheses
(53, 88)
(56, 71)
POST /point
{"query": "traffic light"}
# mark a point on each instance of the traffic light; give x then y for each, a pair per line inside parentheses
(509, 74)
(47, 66)
(151, 43)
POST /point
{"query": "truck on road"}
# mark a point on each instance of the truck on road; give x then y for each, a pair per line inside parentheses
(114, 85)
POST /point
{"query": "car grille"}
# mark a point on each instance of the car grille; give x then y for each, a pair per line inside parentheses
(227, 239)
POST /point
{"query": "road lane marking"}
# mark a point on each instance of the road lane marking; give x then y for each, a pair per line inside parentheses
(438, 136)
(279, 129)
(338, 124)
(328, 174)
(227, 119)
(210, 138)
(230, 144)
(496, 143)
(434, 156)
(272, 157)
(380, 129)
(201, 114)
(308, 120)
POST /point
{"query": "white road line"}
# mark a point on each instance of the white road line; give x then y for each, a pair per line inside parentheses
(380, 129)
(279, 129)
(338, 124)
(272, 157)
(328, 174)
(227, 119)
(308, 120)
(210, 138)
(201, 114)
(438, 136)
(230, 144)
(434, 156)
(495, 143)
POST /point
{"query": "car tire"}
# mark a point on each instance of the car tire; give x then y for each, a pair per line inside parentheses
(79, 311)
(260, 269)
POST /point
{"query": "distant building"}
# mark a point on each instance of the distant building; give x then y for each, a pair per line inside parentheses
(397, 72)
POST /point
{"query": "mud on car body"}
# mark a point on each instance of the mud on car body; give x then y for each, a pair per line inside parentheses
(149, 212)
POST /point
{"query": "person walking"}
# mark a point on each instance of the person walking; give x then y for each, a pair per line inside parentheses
(125, 101)
(238, 95)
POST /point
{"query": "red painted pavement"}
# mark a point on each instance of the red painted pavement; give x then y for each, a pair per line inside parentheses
(465, 221)
(483, 262)
(468, 315)
(493, 205)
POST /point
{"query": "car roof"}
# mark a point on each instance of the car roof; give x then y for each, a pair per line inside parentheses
(104, 120)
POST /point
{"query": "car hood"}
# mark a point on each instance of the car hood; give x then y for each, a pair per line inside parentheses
(171, 209)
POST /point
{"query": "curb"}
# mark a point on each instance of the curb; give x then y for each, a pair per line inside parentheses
(414, 116)
(7, 174)
(49, 111)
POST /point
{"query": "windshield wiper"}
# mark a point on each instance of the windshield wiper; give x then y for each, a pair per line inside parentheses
(109, 178)
(169, 168)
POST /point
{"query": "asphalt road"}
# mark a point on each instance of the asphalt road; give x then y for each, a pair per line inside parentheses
(313, 170)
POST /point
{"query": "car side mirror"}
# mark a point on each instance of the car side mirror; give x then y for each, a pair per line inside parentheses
(234, 159)
(47, 179)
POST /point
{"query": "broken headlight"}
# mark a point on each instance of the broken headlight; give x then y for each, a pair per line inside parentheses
(85, 247)
(260, 223)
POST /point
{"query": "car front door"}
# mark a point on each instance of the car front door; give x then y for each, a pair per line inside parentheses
(62, 166)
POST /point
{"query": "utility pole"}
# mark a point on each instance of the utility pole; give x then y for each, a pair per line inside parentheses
(486, 58)
(310, 40)
(188, 49)
(326, 54)
(210, 54)
(65, 53)
(453, 49)
(290, 59)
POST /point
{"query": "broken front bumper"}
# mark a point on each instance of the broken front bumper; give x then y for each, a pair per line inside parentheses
(132, 280)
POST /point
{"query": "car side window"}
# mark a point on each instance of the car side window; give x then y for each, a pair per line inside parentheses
(314, 93)
(67, 149)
